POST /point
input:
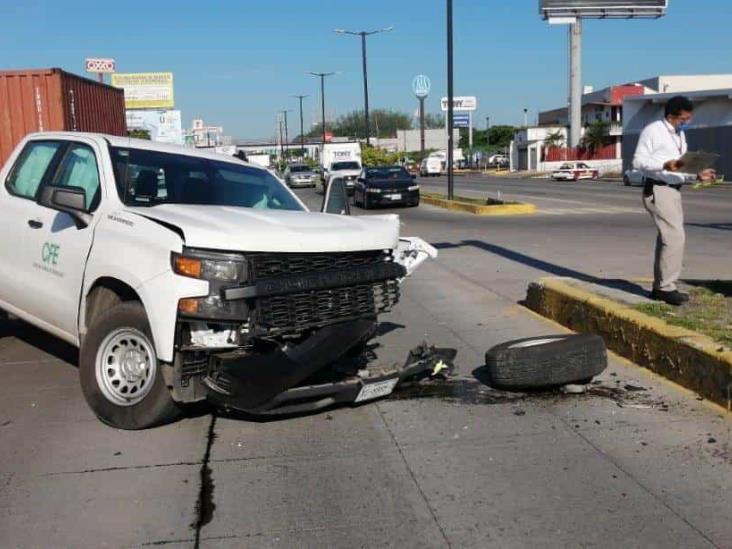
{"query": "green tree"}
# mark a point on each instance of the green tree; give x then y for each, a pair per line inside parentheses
(374, 156)
(554, 139)
(139, 134)
(432, 121)
(384, 123)
(596, 136)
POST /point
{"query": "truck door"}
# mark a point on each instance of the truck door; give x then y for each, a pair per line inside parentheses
(19, 218)
(59, 247)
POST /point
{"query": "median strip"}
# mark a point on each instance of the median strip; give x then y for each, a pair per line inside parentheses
(489, 206)
(684, 356)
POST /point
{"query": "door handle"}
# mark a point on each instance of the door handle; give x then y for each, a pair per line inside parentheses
(35, 224)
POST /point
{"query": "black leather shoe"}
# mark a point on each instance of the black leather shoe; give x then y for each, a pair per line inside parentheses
(672, 298)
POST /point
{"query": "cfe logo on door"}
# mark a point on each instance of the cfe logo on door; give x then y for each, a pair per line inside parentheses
(50, 252)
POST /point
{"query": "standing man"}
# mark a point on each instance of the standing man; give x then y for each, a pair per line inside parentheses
(660, 148)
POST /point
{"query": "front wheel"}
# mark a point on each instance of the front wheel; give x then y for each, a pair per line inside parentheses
(121, 377)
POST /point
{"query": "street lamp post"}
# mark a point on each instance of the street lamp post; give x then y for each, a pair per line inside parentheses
(450, 182)
(322, 76)
(363, 35)
(302, 134)
(526, 118)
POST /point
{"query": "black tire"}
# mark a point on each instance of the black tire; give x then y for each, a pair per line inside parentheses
(543, 362)
(626, 181)
(365, 204)
(157, 407)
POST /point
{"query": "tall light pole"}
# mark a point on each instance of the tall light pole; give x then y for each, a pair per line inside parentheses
(450, 182)
(302, 132)
(526, 118)
(363, 35)
(322, 76)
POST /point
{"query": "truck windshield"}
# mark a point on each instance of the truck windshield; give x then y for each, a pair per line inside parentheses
(336, 166)
(396, 172)
(149, 178)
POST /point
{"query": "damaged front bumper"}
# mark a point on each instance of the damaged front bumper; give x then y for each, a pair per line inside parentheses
(277, 383)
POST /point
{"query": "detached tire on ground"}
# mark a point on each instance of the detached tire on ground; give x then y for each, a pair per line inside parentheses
(121, 378)
(542, 362)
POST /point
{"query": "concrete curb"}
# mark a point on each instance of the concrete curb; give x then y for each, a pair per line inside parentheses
(686, 357)
(478, 209)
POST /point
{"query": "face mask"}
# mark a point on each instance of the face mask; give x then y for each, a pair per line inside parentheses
(682, 127)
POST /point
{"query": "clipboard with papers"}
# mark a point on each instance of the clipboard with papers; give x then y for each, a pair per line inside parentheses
(696, 161)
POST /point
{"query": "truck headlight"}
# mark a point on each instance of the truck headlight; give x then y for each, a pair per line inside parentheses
(373, 190)
(209, 267)
(413, 188)
(213, 307)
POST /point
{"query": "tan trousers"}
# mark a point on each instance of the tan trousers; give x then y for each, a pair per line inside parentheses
(665, 208)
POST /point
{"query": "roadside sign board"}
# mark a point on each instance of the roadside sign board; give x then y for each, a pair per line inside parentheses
(551, 9)
(421, 86)
(463, 103)
(461, 120)
(164, 126)
(146, 90)
(99, 65)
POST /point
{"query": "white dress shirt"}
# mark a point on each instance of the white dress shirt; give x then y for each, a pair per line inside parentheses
(659, 142)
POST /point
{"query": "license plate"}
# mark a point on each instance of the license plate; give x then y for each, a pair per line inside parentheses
(395, 196)
(377, 390)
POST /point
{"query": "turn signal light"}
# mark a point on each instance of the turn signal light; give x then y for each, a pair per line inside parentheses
(188, 266)
(188, 306)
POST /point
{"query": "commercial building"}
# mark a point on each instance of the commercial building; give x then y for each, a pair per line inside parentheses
(409, 140)
(710, 129)
(201, 135)
(529, 151)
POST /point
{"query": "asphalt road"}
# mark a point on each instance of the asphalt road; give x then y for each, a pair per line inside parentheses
(458, 465)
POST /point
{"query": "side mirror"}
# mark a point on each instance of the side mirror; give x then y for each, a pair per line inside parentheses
(70, 200)
(413, 176)
(336, 198)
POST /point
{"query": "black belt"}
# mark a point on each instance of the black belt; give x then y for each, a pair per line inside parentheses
(655, 182)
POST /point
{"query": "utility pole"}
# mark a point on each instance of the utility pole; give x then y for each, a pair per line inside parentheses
(450, 146)
(526, 118)
(363, 35)
(302, 132)
(575, 75)
(287, 137)
(282, 148)
(322, 76)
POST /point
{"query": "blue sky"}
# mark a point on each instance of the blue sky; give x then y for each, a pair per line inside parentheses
(237, 62)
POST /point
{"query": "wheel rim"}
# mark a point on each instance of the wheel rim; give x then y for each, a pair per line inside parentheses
(125, 367)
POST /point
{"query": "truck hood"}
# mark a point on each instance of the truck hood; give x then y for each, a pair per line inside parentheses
(251, 230)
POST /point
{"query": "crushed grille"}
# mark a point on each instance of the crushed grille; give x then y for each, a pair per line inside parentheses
(272, 265)
(302, 311)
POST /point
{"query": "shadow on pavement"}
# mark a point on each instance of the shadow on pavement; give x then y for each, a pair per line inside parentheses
(40, 340)
(551, 268)
(723, 287)
(718, 226)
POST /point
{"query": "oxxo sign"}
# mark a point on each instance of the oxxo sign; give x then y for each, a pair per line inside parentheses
(466, 103)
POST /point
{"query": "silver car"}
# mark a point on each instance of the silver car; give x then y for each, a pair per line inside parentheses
(300, 175)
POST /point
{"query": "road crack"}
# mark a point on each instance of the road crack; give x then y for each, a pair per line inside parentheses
(205, 505)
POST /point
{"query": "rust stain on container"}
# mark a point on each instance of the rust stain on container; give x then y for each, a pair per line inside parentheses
(54, 100)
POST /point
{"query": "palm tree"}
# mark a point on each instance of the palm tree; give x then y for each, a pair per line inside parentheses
(554, 139)
(596, 136)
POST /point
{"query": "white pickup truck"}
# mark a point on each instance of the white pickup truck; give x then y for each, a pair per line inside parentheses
(184, 275)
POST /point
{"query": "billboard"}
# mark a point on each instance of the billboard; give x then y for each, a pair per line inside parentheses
(467, 103)
(602, 8)
(164, 126)
(146, 90)
(100, 65)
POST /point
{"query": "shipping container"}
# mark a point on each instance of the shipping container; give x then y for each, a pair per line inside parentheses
(55, 100)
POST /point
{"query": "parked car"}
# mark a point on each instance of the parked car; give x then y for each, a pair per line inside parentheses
(184, 275)
(633, 177)
(574, 171)
(387, 185)
(498, 160)
(300, 175)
